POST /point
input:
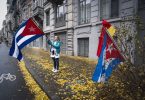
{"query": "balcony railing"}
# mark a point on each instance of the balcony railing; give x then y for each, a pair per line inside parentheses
(38, 11)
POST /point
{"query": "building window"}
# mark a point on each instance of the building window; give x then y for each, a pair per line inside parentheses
(84, 11)
(61, 14)
(83, 47)
(47, 17)
(109, 9)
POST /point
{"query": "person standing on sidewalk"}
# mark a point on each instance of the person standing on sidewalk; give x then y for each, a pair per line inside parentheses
(55, 52)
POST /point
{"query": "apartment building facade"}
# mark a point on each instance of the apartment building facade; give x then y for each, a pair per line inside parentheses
(88, 16)
(78, 23)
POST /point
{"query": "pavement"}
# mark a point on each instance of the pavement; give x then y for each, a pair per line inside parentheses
(12, 84)
(72, 82)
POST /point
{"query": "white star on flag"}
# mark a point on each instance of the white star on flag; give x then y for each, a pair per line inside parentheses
(32, 29)
(110, 48)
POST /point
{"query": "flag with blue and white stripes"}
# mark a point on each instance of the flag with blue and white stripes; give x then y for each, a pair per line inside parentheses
(27, 32)
(109, 57)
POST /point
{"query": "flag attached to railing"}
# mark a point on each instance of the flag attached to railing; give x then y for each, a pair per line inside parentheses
(27, 32)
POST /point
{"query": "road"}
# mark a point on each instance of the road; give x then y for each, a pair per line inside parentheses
(12, 84)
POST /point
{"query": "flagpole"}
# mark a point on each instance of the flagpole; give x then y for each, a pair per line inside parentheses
(115, 44)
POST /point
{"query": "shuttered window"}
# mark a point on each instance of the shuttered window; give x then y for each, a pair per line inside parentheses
(83, 47)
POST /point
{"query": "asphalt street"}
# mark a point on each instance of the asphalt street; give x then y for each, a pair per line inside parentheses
(12, 84)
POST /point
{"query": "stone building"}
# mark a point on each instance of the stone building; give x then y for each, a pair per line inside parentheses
(78, 22)
(88, 15)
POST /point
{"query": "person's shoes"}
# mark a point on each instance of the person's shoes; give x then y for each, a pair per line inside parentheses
(53, 69)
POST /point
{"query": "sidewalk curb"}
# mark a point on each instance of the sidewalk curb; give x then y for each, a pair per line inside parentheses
(43, 86)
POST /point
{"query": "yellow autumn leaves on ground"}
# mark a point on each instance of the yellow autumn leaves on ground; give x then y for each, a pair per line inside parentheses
(33, 86)
(73, 79)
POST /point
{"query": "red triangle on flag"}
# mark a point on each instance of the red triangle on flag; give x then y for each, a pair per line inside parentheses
(31, 29)
(111, 49)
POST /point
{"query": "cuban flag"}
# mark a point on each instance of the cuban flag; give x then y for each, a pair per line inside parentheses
(27, 32)
(109, 57)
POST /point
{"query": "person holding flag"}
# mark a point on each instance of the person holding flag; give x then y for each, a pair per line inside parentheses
(27, 32)
(55, 52)
(109, 56)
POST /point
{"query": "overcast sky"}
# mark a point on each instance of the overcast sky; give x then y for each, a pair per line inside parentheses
(3, 11)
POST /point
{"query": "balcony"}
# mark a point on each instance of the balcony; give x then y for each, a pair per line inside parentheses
(38, 11)
(38, 14)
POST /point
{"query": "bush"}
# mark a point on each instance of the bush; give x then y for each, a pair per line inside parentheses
(126, 83)
(128, 80)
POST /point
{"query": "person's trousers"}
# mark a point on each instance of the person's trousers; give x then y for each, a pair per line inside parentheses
(56, 63)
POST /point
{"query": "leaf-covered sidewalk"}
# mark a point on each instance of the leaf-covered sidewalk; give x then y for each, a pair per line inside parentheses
(72, 82)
